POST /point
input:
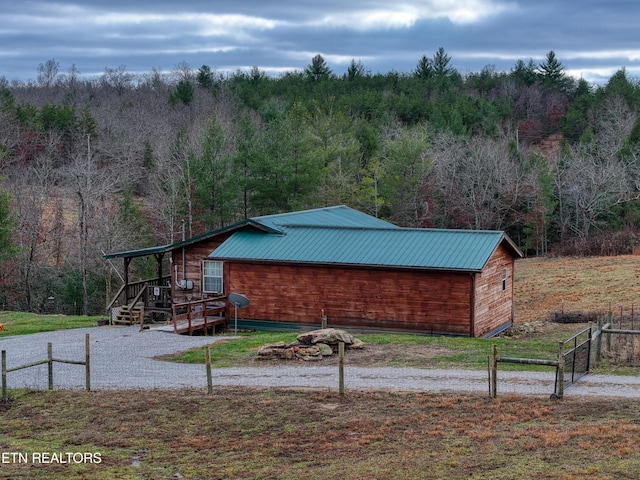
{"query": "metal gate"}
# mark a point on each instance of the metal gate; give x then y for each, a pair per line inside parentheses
(576, 357)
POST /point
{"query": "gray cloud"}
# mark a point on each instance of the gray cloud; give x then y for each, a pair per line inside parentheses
(591, 38)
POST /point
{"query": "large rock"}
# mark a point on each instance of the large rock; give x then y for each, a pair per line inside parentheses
(289, 351)
(329, 336)
(325, 350)
(273, 350)
(310, 346)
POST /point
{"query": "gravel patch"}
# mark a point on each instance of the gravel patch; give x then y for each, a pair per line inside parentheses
(123, 358)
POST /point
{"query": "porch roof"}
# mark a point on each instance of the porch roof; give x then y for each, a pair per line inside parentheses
(249, 224)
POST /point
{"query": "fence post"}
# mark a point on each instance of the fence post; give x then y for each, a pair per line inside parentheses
(341, 368)
(494, 370)
(560, 370)
(207, 361)
(599, 340)
(489, 375)
(50, 363)
(87, 362)
(5, 395)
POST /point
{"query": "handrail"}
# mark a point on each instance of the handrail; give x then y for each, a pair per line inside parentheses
(115, 298)
(200, 311)
(137, 297)
(134, 285)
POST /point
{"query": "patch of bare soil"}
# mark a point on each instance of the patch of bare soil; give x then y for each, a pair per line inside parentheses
(543, 329)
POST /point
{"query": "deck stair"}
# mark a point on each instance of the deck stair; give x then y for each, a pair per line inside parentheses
(129, 314)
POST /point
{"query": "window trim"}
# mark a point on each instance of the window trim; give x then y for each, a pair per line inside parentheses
(504, 279)
(216, 264)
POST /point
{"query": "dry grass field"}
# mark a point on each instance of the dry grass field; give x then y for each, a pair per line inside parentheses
(576, 284)
(318, 435)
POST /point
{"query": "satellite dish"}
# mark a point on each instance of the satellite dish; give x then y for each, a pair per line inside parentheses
(238, 300)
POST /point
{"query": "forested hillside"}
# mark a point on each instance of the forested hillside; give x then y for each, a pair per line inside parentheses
(128, 161)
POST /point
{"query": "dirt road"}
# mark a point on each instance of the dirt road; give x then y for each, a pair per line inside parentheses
(123, 358)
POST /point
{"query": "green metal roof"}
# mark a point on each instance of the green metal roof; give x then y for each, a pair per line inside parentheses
(248, 224)
(342, 235)
(141, 252)
(463, 250)
(339, 215)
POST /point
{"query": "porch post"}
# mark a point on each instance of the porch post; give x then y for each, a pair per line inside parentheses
(127, 261)
(159, 257)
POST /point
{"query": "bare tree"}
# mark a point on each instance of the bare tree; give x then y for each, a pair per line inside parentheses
(592, 177)
(476, 182)
(184, 73)
(33, 190)
(90, 182)
(613, 122)
(118, 79)
(47, 72)
(589, 184)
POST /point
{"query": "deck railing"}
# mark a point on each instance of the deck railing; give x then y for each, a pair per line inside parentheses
(199, 314)
(133, 290)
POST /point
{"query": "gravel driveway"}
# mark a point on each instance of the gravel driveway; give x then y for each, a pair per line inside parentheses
(122, 358)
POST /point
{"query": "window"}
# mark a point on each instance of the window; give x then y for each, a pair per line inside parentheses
(504, 279)
(212, 277)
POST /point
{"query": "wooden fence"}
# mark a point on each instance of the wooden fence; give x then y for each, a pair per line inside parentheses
(494, 359)
(341, 347)
(49, 361)
(573, 360)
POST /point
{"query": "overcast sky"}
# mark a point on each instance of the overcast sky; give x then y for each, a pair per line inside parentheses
(592, 39)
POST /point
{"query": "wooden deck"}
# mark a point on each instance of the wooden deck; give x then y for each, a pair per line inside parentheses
(202, 315)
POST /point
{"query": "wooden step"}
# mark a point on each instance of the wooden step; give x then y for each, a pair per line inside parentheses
(128, 315)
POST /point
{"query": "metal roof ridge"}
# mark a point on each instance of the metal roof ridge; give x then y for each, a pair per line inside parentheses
(298, 212)
(392, 229)
(335, 227)
(453, 230)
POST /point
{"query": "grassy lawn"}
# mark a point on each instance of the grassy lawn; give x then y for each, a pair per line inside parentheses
(23, 323)
(382, 350)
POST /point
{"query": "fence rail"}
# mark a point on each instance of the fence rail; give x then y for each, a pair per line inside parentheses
(49, 361)
(494, 359)
(574, 358)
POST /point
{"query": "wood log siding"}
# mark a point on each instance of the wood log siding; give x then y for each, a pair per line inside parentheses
(194, 254)
(494, 306)
(403, 299)
(430, 302)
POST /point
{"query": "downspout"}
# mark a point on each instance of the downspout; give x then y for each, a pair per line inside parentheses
(511, 294)
(184, 255)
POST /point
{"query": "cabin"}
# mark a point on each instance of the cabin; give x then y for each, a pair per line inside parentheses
(335, 264)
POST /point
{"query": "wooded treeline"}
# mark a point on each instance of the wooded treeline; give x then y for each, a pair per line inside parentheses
(128, 161)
